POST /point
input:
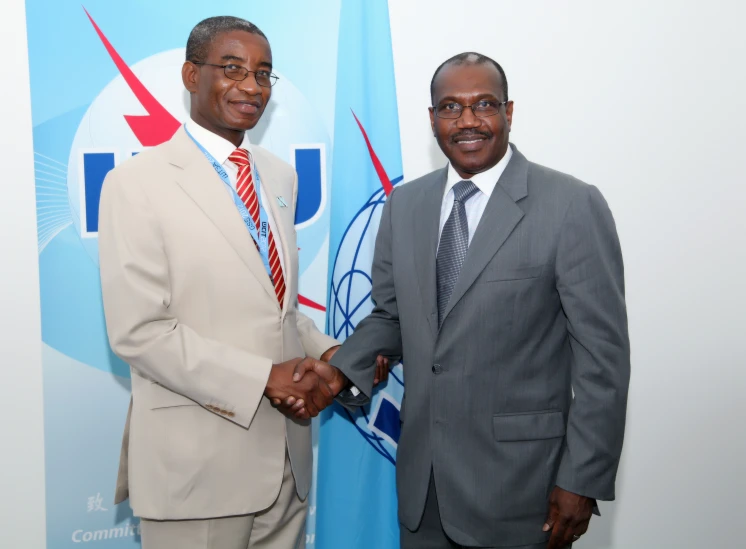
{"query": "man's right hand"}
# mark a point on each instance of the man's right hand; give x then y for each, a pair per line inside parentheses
(315, 393)
(333, 377)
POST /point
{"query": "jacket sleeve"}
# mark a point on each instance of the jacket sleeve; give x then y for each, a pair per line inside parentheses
(590, 281)
(379, 332)
(315, 343)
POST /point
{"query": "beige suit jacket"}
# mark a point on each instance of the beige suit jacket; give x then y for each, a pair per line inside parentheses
(190, 308)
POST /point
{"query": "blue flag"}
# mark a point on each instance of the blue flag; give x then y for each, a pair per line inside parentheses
(356, 494)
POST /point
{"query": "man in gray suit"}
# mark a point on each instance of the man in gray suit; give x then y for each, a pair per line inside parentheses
(500, 284)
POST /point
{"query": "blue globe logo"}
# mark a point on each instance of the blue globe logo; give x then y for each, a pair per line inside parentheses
(378, 423)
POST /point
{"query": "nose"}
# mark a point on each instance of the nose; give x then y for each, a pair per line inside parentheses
(468, 120)
(250, 85)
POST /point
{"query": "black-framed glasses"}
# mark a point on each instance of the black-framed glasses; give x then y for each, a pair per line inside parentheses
(238, 73)
(481, 109)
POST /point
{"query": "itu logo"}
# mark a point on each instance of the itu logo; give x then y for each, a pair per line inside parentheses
(94, 165)
(350, 301)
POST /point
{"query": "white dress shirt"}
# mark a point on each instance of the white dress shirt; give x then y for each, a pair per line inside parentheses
(476, 204)
(221, 149)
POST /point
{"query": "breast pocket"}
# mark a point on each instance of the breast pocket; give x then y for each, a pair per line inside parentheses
(500, 274)
(528, 426)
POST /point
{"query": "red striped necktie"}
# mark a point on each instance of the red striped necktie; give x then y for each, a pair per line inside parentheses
(247, 191)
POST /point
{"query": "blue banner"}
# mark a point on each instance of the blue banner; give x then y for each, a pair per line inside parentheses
(105, 84)
(356, 497)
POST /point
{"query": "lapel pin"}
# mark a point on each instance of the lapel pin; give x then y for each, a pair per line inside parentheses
(281, 202)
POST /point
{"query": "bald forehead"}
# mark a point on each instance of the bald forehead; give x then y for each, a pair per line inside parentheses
(238, 40)
(467, 77)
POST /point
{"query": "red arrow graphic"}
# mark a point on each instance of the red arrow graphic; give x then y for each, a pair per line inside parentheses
(158, 125)
(385, 181)
(312, 304)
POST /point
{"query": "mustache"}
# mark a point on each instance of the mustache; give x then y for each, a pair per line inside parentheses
(471, 134)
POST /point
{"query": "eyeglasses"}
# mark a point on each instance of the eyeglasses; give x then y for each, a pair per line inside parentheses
(481, 109)
(238, 73)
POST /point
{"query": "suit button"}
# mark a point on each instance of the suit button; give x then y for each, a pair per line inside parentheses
(437, 368)
(231, 414)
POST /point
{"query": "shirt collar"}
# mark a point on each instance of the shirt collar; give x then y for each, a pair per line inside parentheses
(219, 148)
(485, 181)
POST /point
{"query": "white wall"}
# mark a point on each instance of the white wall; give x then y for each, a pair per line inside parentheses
(646, 100)
(22, 509)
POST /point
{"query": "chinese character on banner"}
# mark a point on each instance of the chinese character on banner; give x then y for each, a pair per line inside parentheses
(96, 503)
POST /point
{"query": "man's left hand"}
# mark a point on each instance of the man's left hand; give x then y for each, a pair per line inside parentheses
(569, 516)
(382, 365)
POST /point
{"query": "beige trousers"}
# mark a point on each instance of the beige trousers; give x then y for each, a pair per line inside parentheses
(281, 526)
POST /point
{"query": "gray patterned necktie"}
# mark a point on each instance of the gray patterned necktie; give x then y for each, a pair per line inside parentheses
(454, 241)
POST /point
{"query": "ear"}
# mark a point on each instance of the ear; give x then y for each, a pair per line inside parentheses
(190, 76)
(509, 114)
(432, 118)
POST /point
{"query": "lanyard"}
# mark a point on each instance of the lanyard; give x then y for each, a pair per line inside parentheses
(261, 237)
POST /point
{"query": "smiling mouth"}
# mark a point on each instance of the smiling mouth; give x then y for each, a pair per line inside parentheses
(470, 143)
(470, 139)
(246, 107)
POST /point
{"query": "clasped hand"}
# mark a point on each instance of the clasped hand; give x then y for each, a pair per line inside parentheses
(315, 392)
(302, 387)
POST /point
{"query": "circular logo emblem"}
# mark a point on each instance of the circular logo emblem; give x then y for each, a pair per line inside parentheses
(378, 422)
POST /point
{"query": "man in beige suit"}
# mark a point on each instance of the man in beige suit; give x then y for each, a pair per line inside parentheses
(199, 273)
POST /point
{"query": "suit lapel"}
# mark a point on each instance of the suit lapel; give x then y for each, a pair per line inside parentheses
(279, 228)
(426, 219)
(199, 180)
(500, 217)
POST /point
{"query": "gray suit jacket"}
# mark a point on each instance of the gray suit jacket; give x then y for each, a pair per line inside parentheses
(537, 314)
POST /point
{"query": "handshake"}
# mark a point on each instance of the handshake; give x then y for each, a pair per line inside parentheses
(300, 388)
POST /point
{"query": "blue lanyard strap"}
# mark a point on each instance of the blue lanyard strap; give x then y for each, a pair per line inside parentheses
(261, 236)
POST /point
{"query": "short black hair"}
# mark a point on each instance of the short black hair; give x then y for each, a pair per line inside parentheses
(203, 34)
(470, 58)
